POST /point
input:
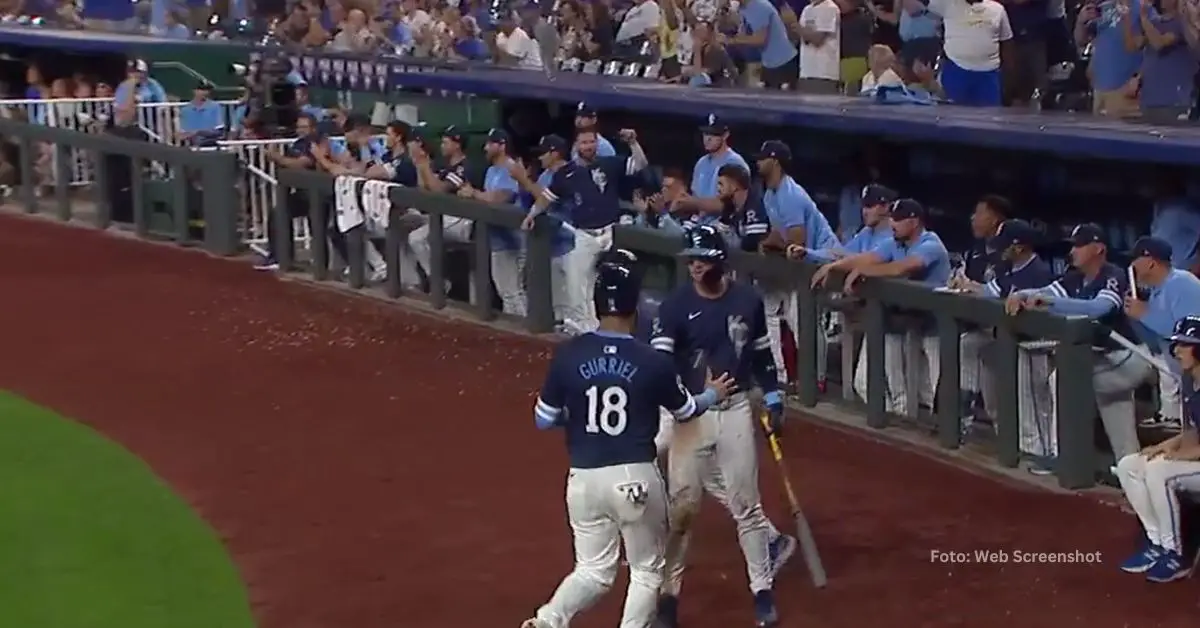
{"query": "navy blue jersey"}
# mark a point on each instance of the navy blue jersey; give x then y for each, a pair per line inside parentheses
(1034, 273)
(594, 188)
(751, 223)
(726, 335)
(457, 173)
(647, 312)
(1111, 283)
(302, 147)
(1191, 405)
(400, 168)
(979, 263)
(606, 390)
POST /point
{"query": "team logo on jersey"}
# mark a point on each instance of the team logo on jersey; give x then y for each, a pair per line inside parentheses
(599, 178)
(739, 333)
(989, 273)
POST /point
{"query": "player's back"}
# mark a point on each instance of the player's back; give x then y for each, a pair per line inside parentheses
(613, 386)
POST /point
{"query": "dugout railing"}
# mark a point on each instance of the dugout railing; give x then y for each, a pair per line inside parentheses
(195, 187)
(1078, 458)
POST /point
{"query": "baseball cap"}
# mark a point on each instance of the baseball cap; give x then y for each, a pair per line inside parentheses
(205, 85)
(1012, 233)
(1154, 248)
(774, 149)
(585, 110)
(552, 143)
(876, 194)
(714, 125)
(453, 133)
(1086, 234)
(905, 208)
(499, 136)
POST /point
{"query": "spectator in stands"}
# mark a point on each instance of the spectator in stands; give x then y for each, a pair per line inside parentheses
(704, 205)
(766, 34)
(975, 31)
(1114, 64)
(467, 44)
(819, 30)
(302, 26)
(918, 27)
(854, 34)
(587, 120)
(575, 38)
(355, 35)
(1173, 294)
(643, 16)
(515, 46)
(108, 15)
(201, 118)
(174, 26)
(1025, 74)
(37, 87)
(924, 78)
(1168, 64)
(104, 90)
(881, 62)
(139, 86)
(918, 254)
(711, 63)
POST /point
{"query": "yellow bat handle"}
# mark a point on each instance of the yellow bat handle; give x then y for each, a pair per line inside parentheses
(773, 440)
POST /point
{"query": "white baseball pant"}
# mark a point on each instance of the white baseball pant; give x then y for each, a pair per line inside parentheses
(580, 266)
(607, 507)
(717, 453)
(971, 346)
(508, 274)
(895, 349)
(1115, 376)
(454, 229)
(783, 306)
(1035, 402)
(1170, 403)
(559, 297)
(1152, 488)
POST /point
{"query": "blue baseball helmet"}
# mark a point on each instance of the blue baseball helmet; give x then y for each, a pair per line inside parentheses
(618, 289)
(1187, 330)
(704, 242)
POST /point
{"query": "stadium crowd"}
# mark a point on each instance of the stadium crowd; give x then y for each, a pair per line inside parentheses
(1133, 57)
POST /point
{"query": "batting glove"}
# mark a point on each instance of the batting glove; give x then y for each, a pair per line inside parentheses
(774, 402)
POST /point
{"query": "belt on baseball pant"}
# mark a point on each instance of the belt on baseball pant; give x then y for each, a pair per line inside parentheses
(594, 232)
(728, 402)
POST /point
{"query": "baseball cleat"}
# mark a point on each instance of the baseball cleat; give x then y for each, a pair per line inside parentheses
(781, 550)
(1168, 568)
(1142, 561)
(668, 612)
(765, 615)
(534, 622)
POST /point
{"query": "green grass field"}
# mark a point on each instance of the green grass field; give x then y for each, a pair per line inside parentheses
(91, 538)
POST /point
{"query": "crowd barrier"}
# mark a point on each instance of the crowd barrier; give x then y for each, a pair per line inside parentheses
(1078, 459)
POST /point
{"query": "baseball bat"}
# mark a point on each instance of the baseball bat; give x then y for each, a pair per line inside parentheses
(808, 544)
(1143, 354)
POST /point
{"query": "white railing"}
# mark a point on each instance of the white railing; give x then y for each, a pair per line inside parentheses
(259, 189)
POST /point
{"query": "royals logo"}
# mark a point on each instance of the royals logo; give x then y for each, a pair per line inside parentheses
(599, 178)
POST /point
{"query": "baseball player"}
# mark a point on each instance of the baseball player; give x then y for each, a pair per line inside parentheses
(979, 268)
(1093, 289)
(605, 389)
(1153, 477)
(713, 323)
(918, 254)
(592, 182)
(1018, 267)
(794, 219)
(587, 119)
(705, 204)
(1173, 293)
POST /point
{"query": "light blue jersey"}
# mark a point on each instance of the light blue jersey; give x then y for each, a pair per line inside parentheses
(935, 259)
(499, 178)
(789, 206)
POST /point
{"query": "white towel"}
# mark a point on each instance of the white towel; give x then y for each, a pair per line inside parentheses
(346, 203)
(377, 205)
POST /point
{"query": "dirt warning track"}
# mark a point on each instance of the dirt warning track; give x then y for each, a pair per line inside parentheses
(368, 467)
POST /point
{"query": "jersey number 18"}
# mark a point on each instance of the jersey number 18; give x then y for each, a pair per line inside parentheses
(606, 410)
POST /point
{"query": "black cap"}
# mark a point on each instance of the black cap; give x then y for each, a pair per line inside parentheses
(356, 121)
(876, 194)
(1155, 248)
(207, 85)
(585, 110)
(499, 136)
(714, 125)
(553, 143)
(905, 208)
(1012, 232)
(774, 149)
(1086, 234)
(453, 133)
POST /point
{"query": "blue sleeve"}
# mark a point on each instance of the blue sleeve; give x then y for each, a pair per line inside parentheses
(887, 252)
(157, 93)
(793, 210)
(506, 182)
(756, 17)
(665, 332)
(548, 411)
(123, 92)
(1106, 301)
(821, 256)
(928, 252)
(991, 289)
(604, 148)
(763, 361)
